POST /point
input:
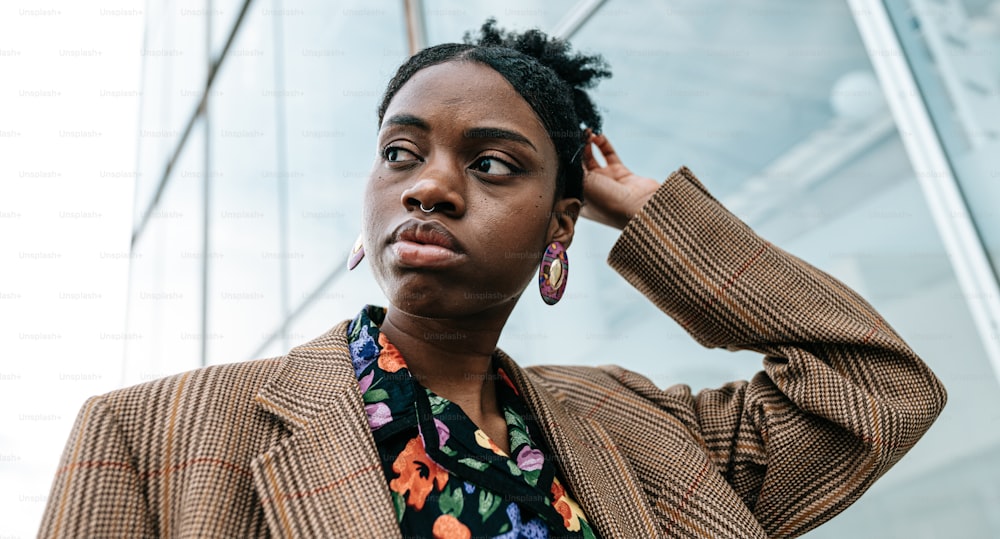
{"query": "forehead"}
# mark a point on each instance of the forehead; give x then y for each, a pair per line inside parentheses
(466, 93)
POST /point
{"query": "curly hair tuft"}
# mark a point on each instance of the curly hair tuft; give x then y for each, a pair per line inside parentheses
(544, 71)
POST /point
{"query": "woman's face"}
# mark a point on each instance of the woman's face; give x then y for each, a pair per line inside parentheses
(457, 137)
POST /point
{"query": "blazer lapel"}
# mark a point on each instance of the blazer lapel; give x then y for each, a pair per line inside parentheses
(597, 474)
(325, 480)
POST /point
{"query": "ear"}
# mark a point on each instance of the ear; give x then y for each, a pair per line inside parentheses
(562, 225)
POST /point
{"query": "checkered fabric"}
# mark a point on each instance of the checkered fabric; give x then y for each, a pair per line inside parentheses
(281, 447)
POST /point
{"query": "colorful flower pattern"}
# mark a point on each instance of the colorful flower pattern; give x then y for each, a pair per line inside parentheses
(476, 490)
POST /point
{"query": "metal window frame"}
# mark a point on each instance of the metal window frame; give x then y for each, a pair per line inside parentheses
(416, 25)
(934, 173)
(199, 110)
(575, 18)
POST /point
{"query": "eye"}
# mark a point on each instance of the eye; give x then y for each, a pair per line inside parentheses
(395, 154)
(494, 166)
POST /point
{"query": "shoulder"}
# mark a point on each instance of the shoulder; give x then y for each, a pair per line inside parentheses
(573, 384)
(608, 393)
(569, 376)
(575, 379)
(231, 379)
(215, 394)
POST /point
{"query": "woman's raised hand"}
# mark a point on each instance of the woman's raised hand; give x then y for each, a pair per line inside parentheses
(612, 194)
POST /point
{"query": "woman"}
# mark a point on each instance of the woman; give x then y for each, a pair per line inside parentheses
(409, 421)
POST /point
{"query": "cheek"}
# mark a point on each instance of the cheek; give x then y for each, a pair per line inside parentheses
(374, 206)
(516, 234)
(374, 198)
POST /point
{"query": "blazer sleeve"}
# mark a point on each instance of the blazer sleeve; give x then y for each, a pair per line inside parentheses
(97, 491)
(841, 397)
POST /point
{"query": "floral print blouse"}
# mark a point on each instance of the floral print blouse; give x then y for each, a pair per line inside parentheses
(446, 477)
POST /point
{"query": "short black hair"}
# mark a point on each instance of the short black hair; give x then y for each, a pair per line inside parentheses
(544, 72)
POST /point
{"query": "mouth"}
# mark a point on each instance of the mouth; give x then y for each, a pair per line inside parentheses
(425, 244)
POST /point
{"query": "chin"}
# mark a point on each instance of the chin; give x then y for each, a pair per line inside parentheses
(451, 303)
(440, 295)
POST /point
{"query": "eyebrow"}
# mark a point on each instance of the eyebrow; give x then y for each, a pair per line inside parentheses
(408, 120)
(498, 133)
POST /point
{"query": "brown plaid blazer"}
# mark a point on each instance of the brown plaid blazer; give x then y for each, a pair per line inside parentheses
(281, 446)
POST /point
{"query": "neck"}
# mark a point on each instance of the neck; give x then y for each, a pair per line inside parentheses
(451, 357)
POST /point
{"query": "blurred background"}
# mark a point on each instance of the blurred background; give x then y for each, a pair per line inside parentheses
(182, 184)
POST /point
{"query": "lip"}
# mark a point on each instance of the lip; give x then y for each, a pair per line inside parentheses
(425, 244)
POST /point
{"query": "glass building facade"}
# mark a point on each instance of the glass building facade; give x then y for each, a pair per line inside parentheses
(862, 136)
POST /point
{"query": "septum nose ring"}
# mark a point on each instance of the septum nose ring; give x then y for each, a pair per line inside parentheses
(427, 210)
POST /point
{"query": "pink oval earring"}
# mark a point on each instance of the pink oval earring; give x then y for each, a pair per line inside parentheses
(357, 253)
(553, 272)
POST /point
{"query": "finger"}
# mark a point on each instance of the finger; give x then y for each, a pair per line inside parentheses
(610, 155)
(589, 161)
(587, 213)
(598, 190)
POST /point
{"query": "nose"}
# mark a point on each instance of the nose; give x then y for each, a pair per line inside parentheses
(440, 187)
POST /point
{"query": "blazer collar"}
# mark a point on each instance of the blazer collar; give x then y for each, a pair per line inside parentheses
(598, 475)
(326, 480)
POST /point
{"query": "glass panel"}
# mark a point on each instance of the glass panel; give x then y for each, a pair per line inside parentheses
(331, 304)
(152, 150)
(338, 59)
(175, 66)
(717, 88)
(244, 299)
(448, 20)
(956, 499)
(953, 48)
(164, 306)
(775, 106)
(224, 13)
